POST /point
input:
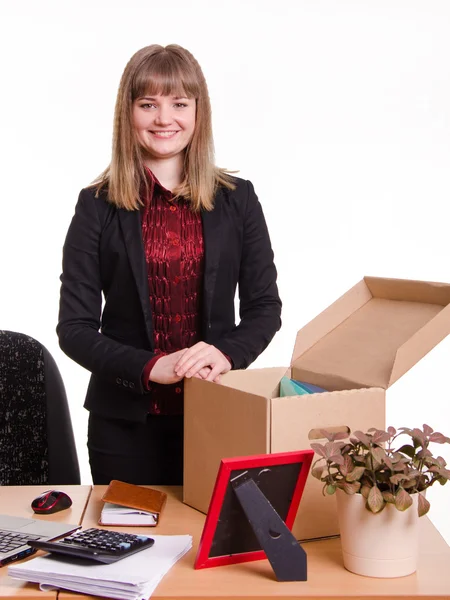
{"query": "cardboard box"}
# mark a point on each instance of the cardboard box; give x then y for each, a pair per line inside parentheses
(357, 348)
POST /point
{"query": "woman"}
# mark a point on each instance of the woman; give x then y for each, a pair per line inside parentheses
(166, 237)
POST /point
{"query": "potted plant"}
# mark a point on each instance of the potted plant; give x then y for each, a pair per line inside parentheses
(380, 478)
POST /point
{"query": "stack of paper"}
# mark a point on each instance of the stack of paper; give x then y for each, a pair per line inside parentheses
(114, 514)
(132, 578)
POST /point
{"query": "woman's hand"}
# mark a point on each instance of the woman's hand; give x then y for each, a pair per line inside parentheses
(163, 370)
(201, 358)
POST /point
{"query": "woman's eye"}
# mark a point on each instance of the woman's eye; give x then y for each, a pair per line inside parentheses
(180, 105)
(147, 105)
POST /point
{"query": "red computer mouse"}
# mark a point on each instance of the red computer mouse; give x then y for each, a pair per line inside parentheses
(50, 502)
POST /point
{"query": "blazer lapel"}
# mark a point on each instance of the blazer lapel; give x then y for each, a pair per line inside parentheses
(130, 222)
(212, 241)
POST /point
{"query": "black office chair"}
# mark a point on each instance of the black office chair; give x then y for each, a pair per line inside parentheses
(37, 445)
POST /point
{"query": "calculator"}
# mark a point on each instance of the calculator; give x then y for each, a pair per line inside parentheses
(100, 545)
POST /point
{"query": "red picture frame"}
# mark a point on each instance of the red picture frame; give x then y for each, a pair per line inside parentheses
(228, 467)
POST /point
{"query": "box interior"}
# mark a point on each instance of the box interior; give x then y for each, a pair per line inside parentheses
(376, 332)
(361, 351)
(368, 338)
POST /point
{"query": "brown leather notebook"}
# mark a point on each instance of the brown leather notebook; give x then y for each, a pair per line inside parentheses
(128, 504)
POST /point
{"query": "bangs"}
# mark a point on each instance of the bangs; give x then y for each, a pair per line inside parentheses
(165, 74)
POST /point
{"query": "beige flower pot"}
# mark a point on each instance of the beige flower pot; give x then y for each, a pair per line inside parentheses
(378, 545)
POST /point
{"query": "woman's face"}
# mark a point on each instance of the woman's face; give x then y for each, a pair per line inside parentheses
(164, 125)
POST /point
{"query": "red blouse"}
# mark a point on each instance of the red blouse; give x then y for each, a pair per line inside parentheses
(173, 243)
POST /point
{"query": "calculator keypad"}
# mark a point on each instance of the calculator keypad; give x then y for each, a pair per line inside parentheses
(97, 544)
(107, 541)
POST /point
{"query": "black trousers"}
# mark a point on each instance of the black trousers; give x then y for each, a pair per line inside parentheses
(149, 453)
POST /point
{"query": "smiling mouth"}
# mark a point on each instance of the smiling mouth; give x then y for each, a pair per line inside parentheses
(164, 134)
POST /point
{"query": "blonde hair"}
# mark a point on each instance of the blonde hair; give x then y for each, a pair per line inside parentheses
(169, 70)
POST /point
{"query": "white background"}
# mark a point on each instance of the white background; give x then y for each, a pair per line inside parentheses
(338, 111)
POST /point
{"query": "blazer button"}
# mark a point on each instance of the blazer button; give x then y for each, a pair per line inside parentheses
(131, 385)
(209, 325)
(125, 383)
(118, 380)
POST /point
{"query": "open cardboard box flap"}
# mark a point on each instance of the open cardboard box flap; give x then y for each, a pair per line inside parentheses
(372, 334)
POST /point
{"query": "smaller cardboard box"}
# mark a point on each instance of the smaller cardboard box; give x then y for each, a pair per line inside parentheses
(357, 348)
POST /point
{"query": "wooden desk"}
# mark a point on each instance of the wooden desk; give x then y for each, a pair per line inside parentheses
(16, 501)
(327, 578)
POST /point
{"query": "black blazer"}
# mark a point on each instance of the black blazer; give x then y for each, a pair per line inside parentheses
(103, 253)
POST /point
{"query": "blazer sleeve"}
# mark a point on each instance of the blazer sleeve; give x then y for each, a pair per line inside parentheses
(81, 304)
(259, 302)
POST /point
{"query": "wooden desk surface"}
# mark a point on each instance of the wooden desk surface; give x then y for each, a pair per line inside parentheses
(16, 501)
(327, 577)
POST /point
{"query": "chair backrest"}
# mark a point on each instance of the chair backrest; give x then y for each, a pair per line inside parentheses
(37, 445)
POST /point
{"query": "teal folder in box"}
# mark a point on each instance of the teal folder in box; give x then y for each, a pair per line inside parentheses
(291, 387)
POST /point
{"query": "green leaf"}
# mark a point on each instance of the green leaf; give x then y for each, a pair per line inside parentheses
(378, 453)
(317, 472)
(351, 488)
(419, 435)
(371, 462)
(405, 430)
(422, 482)
(330, 489)
(423, 505)
(365, 491)
(397, 456)
(403, 500)
(336, 459)
(409, 484)
(380, 436)
(362, 437)
(396, 479)
(347, 466)
(319, 449)
(333, 452)
(383, 506)
(427, 429)
(408, 450)
(399, 467)
(375, 500)
(424, 453)
(387, 461)
(330, 449)
(392, 431)
(326, 434)
(355, 475)
(411, 474)
(332, 437)
(444, 473)
(388, 497)
(441, 461)
(438, 438)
